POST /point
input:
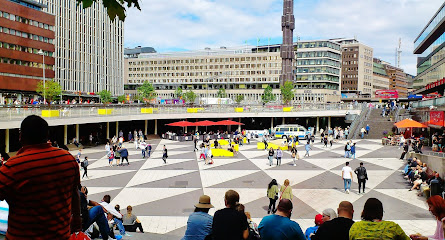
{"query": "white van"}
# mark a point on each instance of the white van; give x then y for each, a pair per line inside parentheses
(283, 131)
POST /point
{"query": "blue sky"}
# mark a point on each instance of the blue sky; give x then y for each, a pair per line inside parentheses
(178, 25)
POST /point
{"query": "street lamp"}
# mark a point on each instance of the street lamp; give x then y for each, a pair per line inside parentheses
(44, 80)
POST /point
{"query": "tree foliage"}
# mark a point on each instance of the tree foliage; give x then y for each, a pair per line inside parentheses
(105, 96)
(239, 98)
(267, 95)
(51, 91)
(287, 92)
(178, 92)
(222, 93)
(122, 98)
(146, 91)
(190, 96)
(115, 8)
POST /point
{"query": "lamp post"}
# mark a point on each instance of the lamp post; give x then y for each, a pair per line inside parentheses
(44, 80)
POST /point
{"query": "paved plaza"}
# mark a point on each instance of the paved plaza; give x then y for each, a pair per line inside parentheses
(163, 195)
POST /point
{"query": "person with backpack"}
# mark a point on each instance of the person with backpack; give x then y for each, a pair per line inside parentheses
(84, 165)
(347, 149)
(362, 176)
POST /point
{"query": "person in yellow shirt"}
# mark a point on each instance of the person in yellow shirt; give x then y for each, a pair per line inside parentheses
(286, 190)
(373, 227)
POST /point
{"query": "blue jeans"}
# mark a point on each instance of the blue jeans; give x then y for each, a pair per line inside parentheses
(347, 183)
(96, 214)
(270, 160)
(352, 155)
(363, 134)
(346, 154)
(143, 153)
(120, 226)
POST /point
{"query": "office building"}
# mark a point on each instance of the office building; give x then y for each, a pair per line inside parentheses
(357, 68)
(429, 44)
(89, 48)
(380, 79)
(237, 70)
(134, 52)
(398, 80)
(24, 30)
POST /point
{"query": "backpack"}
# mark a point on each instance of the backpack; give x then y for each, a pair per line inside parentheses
(85, 163)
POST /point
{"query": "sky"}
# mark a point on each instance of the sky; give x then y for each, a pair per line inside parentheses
(180, 25)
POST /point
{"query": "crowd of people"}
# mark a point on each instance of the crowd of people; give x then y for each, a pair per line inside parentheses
(234, 222)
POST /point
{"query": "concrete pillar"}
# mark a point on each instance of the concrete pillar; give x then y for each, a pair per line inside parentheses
(77, 133)
(329, 122)
(65, 135)
(271, 123)
(185, 129)
(239, 126)
(156, 126)
(284, 121)
(146, 127)
(108, 131)
(318, 125)
(117, 129)
(7, 140)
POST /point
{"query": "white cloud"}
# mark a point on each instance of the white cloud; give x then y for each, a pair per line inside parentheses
(196, 24)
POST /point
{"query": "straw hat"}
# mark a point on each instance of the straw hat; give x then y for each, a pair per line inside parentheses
(204, 202)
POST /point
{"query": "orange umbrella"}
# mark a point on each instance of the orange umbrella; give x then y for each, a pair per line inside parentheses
(409, 123)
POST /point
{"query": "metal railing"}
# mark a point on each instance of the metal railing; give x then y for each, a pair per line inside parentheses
(355, 124)
(429, 103)
(9, 112)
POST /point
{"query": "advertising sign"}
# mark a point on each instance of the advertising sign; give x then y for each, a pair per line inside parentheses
(386, 94)
(437, 118)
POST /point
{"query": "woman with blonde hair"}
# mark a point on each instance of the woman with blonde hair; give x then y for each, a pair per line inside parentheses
(286, 190)
(131, 222)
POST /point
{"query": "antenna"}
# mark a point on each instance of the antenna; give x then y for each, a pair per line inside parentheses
(398, 53)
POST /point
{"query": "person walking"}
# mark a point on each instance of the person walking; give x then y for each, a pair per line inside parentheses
(265, 142)
(346, 174)
(272, 194)
(362, 176)
(143, 146)
(286, 190)
(195, 142)
(295, 155)
(164, 155)
(149, 149)
(367, 129)
(203, 153)
(279, 156)
(209, 155)
(331, 140)
(124, 154)
(362, 131)
(325, 141)
(84, 165)
(249, 136)
(353, 151)
(405, 150)
(110, 155)
(347, 149)
(79, 153)
(307, 148)
(271, 154)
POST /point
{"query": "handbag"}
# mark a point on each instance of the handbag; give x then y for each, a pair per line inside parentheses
(79, 236)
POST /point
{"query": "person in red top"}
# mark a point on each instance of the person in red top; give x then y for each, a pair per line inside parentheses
(40, 185)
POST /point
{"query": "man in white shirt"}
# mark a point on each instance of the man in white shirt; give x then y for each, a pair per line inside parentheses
(346, 174)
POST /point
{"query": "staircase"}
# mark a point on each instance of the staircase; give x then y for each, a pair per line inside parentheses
(378, 124)
(358, 122)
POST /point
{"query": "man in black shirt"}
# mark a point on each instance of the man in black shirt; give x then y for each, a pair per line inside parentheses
(405, 150)
(337, 228)
(229, 223)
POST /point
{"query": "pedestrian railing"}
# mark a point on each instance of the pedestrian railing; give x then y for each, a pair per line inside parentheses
(10, 112)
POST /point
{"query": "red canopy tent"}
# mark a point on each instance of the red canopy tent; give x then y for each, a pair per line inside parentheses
(181, 124)
(228, 123)
(204, 123)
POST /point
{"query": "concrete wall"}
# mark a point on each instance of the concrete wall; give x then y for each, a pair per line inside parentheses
(434, 163)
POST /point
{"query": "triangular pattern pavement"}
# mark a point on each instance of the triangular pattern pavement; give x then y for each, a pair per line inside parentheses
(164, 195)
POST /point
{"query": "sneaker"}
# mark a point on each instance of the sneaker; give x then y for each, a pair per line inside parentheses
(347, 191)
(127, 235)
(295, 165)
(363, 192)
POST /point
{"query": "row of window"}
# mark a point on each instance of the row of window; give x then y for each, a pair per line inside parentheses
(318, 62)
(26, 35)
(197, 74)
(23, 49)
(318, 54)
(224, 81)
(34, 23)
(204, 60)
(318, 70)
(24, 63)
(319, 77)
(319, 44)
(203, 67)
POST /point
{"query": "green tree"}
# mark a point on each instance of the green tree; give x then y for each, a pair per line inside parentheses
(178, 92)
(239, 98)
(122, 98)
(190, 96)
(267, 95)
(105, 96)
(146, 92)
(287, 92)
(115, 8)
(50, 92)
(222, 93)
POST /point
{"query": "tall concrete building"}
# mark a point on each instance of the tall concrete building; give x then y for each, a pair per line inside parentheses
(89, 48)
(24, 30)
(287, 50)
(398, 80)
(357, 68)
(430, 45)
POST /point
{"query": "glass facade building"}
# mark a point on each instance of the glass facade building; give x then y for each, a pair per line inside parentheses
(430, 46)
